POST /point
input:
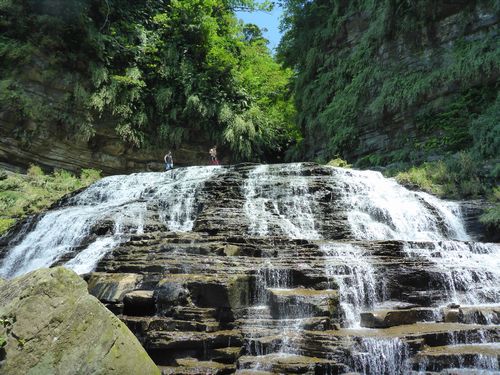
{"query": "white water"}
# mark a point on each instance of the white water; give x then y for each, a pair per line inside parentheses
(354, 275)
(381, 209)
(279, 201)
(470, 271)
(277, 197)
(382, 356)
(119, 201)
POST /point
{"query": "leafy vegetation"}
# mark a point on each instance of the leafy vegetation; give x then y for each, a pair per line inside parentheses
(455, 177)
(491, 217)
(367, 61)
(22, 195)
(6, 323)
(381, 66)
(162, 71)
(339, 162)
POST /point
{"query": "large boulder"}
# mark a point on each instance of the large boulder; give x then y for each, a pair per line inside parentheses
(53, 326)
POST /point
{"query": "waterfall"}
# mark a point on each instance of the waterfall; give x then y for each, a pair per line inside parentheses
(315, 247)
(381, 356)
(277, 197)
(381, 209)
(116, 207)
(354, 275)
(471, 271)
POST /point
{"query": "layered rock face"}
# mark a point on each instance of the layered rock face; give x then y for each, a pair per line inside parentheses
(52, 146)
(432, 50)
(53, 326)
(389, 82)
(278, 269)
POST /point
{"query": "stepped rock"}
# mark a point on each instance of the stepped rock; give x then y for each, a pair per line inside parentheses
(55, 327)
(269, 268)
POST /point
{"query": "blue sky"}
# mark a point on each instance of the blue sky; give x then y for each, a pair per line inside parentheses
(270, 21)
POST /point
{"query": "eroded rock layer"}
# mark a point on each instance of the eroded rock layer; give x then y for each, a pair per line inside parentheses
(288, 269)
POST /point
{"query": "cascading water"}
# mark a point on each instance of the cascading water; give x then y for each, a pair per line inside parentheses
(278, 200)
(119, 204)
(381, 209)
(382, 356)
(471, 271)
(278, 197)
(354, 275)
(323, 246)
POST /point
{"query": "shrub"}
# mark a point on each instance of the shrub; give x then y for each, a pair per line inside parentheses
(89, 176)
(339, 162)
(5, 224)
(35, 171)
(491, 216)
(459, 176)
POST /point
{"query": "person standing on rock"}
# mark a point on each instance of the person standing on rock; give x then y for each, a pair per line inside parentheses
(213, 156)
(169, 161)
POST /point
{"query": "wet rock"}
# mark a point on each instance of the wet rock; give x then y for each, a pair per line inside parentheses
(465, 356)
(192, 340)
(111, 287)
(194, 366)
(451, 315)
(168, 294)
(471, 212)
(391, 318)
(301, 303)
(139, 303)
(226, 355)
(289, 364)
(231, 250)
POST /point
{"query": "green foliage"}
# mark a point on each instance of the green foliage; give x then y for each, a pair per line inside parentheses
(491, 217)
(6, 325)
(22, 195)
(5, 224)
(459, 176)
(485, 131)
(162, 71)
(340, 86)
(339, 162)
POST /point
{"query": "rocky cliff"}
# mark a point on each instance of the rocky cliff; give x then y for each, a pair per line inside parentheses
(279, 269)
(439, 118)
(52, 145)
(393, 81)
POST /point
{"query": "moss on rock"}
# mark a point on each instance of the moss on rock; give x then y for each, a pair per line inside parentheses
(58, 328)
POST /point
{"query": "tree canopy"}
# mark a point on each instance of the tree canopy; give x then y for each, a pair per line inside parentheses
(162, 71)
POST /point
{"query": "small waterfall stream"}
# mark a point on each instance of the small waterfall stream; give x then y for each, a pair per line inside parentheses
(117, 205)
(277, 198)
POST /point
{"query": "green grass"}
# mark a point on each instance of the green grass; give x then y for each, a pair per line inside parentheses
(455, 177)
(23, 195)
